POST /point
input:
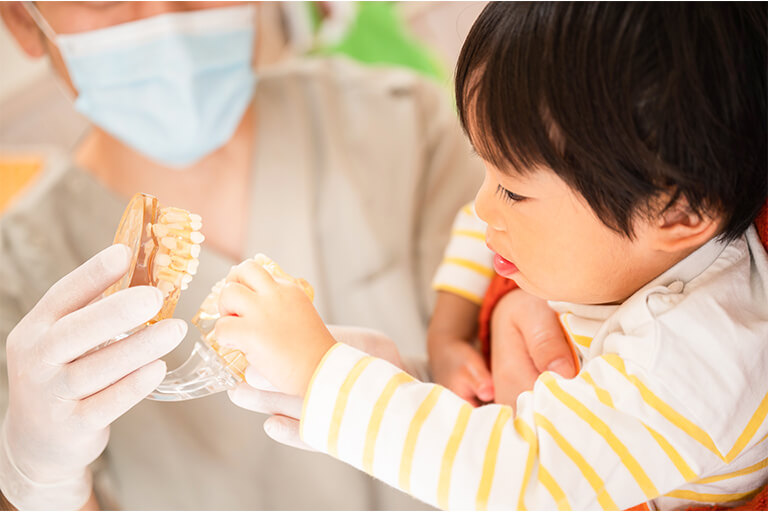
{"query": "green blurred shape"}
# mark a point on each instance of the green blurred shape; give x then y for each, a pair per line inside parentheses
(378, 35)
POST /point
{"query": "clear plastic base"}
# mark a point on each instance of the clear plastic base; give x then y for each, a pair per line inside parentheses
(203, 374)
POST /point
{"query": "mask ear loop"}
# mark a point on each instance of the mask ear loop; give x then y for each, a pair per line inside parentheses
(40, 21)
(51, 35)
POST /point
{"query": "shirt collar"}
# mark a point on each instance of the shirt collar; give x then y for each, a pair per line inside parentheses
(675, 278)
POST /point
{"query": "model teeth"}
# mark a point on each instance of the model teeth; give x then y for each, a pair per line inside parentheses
(163, 260)
(178, 237)
(192, 267)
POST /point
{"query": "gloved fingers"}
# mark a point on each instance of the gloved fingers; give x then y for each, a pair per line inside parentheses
(83, 284)
(268, 402)
(285, 431)
(369, 341)
(98, 411)
(96, 371)
(257, 380)
(82, 330)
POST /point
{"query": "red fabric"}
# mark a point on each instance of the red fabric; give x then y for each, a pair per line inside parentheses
(500, 286)
(759, 502)
(761, 222)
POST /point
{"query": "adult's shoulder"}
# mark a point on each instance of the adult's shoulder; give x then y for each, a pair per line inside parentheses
(57, 222)
(355, 89)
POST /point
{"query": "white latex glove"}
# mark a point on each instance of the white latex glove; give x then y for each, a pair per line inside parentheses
(63, 398)
(258, 395)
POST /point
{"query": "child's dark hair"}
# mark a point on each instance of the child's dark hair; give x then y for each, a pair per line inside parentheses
(625, 102)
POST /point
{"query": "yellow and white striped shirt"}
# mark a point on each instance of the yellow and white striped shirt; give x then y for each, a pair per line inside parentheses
(467, 266)
(670, 406)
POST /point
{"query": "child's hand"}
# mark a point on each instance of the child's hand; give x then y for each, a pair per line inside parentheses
(461, 368)
(274, 323)
(526, 340)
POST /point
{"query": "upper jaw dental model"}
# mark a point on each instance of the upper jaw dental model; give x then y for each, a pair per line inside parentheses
(165, 246)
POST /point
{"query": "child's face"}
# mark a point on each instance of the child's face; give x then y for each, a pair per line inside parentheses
(554, 246)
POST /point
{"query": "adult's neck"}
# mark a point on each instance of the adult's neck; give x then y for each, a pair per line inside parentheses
(125, 171)
(216, 187)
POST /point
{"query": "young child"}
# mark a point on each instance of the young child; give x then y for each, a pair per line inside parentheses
(625, 150)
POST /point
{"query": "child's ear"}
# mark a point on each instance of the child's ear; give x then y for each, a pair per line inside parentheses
(679, 228)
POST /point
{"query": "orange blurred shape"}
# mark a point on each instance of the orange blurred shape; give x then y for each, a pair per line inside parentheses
(16, 173)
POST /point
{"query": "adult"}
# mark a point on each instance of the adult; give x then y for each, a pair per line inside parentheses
(324, 170)
(347, 176)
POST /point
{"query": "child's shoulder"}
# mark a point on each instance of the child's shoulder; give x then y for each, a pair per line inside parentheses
(723, 303)
(709, 336)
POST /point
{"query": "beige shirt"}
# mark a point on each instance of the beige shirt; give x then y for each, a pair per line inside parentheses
(357, 175)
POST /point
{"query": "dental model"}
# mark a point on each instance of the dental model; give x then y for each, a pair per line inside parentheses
(206, 317)
(212, 368)
(165, 246)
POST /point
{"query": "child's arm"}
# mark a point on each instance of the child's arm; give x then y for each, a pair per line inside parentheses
(453, 359)
(461, 281)
(599, 440)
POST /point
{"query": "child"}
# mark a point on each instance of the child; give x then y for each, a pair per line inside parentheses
(625, 150)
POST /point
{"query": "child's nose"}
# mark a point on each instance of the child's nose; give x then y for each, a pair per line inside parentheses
(486, 208)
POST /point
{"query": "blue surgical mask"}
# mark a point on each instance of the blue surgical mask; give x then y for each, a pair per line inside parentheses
(174, 87)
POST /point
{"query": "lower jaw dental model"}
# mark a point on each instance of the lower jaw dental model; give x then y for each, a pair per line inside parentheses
(165, 245)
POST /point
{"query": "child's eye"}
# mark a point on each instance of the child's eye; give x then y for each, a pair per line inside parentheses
(508, 195)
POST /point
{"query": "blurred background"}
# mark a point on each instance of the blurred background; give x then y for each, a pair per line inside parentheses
(423, 36)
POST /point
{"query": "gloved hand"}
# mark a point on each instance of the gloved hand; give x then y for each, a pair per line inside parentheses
(258, 395)
(63, 395)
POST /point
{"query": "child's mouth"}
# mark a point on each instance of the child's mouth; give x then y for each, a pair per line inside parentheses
(503, 267)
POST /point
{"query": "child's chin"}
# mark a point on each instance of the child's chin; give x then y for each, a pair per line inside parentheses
(536, 291)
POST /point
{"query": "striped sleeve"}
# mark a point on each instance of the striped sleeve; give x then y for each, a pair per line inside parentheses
(606, 439)
(467, 266)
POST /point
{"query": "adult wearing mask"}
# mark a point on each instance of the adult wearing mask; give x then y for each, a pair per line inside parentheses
(343, 156)
(340, 154)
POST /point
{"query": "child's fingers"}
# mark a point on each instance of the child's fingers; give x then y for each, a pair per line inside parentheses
(461, 385)
(236, 299)
(231, 333)
(481, 381)
(251, 274)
